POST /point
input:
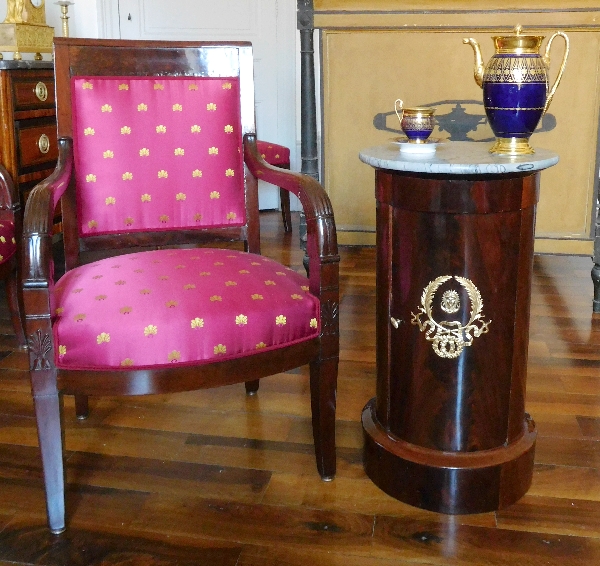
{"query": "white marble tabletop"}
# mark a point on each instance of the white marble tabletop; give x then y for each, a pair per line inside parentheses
(458, 158)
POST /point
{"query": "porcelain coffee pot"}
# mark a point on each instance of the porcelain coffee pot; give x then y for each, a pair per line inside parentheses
(515, 87)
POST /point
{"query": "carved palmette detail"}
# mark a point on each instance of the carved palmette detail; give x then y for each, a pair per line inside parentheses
(40, 346)
(449, 338)
(329, 318)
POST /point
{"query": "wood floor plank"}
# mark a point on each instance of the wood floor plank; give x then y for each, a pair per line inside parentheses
(217, 477)
(450, 543)
(556, 515)
(33, 544)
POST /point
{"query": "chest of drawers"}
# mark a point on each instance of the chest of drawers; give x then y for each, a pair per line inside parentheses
(28, 146)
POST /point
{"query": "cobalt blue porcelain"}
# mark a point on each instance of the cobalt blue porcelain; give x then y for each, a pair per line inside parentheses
(515, 87)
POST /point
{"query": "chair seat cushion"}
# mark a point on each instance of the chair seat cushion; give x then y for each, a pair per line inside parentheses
(8, 245)
(273, 153)
(184, 306)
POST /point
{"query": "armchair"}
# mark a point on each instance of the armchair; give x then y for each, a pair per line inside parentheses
(10, 227)
(157, 156)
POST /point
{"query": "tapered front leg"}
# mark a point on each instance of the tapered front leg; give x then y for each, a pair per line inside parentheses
(48, 413)
(323, 387)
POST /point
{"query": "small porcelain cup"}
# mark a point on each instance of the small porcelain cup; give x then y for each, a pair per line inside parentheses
(417, 122)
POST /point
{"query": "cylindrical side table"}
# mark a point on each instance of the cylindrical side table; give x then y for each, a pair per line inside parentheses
(447, 430)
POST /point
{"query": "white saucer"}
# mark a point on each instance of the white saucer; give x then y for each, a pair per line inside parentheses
(427, 147)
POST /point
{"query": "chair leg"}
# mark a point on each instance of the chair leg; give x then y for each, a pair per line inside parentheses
(48, 412)
(252, 386)
(284, 196)
(14, 305)
(323, 386)
(82, 408)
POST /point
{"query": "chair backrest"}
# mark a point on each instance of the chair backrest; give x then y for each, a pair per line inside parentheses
(157, 131)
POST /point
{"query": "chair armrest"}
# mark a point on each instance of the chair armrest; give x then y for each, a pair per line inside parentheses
(320, 223)
(38, 220)
(10, 203)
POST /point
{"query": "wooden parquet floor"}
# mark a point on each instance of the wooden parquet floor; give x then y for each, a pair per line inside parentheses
(221, 479)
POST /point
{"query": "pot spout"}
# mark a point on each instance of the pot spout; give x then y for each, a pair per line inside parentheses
(479, 67)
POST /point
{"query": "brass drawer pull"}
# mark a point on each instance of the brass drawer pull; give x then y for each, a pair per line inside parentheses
(41, 91)
(396, 322)
(44, 143)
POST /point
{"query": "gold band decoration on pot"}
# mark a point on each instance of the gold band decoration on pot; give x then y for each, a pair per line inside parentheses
(450, 337)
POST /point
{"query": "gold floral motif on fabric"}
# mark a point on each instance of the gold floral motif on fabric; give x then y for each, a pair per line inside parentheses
(103, 338)
(127, 176)
(87, 85)
(108, 154)
(142, 107)
(241, 320)
(280, 320)
(90, 178)
(125, 130)
(177, 108)
(89, 132)
(146, 197)
(211, 107)
(197, 323)
(106, 108)
(144, 152)
(110, 200)
(161, 129)
(196, 173)
(220, 349)
(150, 330)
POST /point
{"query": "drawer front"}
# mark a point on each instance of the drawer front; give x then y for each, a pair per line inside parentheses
(33, 92)
(36, 144)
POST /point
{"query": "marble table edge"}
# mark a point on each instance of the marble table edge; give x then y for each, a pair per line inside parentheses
(458, 158)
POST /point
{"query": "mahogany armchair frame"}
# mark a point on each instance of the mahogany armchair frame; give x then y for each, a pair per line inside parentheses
(123, 58)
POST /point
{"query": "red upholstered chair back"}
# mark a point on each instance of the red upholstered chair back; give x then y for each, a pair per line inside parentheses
(157, 154)
(157, 150)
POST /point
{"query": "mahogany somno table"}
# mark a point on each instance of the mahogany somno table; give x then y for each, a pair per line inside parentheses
(447, 430)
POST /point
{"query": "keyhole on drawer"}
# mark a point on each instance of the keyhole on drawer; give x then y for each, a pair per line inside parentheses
(129, 17)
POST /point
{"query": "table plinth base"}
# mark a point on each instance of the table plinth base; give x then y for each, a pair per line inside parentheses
(448, 482)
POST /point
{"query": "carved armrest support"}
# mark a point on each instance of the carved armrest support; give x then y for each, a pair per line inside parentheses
(321, 244)
(36, 270)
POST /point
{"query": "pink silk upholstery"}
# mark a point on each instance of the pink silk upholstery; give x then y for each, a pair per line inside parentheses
(273, 153)
(157, 154)
(156, 308)
(8, 245)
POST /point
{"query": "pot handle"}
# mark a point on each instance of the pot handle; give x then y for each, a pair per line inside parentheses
(401, 113)
(546, 59)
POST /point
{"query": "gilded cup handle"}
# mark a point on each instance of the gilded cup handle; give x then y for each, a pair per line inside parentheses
(546, 59)
(401, 109)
